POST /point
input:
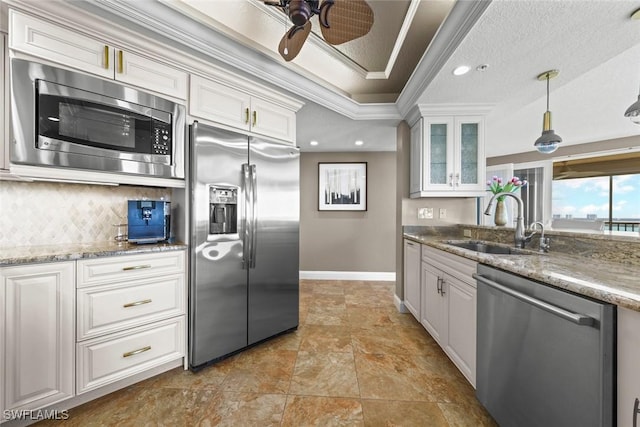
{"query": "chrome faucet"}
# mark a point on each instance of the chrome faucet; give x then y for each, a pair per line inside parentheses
(544, 241)
(519, 238)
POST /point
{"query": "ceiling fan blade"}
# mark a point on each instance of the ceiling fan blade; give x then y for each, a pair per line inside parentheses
(293, 40)
(345, 20)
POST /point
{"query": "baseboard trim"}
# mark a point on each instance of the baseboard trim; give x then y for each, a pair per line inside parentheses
(349, 275)
(400, 304)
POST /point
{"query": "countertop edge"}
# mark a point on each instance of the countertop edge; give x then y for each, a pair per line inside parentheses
(595, 289)
(44, 254)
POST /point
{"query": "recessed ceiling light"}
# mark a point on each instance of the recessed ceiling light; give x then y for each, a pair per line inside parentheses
(636, 14)
(358, 142)
(314, 143)
(463, 69)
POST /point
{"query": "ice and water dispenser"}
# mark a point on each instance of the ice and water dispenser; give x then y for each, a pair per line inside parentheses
(223, 210)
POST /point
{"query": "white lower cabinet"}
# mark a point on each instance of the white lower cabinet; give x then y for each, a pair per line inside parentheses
(131, 316)
(449, 306)
(75, 326)
(38, 347)
(628, 368)
(412, 277)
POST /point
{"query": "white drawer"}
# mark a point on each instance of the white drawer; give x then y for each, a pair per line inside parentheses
(110, 308)
(127, 267)
(113, 357)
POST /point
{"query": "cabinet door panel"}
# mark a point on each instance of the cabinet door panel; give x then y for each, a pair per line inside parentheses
(433, 308)
(40, 308)
(48, 41)
(272, 120)
(461, 339)
(628, 372)
(412, 286)
(438, 172)
(470, 160)
(219, 103)
(149, 74)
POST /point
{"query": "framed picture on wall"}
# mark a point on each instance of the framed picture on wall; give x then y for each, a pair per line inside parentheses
(342, 186)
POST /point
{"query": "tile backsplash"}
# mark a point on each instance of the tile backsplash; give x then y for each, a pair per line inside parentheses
(44, 213)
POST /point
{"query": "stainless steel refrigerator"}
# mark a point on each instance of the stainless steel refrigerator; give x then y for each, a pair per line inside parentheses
(244, 258)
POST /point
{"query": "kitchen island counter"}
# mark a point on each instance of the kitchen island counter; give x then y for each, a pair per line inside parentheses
(616, 283)
(52, 253)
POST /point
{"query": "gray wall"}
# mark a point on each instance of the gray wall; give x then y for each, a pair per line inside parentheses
(349, 241)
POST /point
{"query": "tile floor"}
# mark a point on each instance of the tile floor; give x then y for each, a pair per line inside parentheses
(354, 361)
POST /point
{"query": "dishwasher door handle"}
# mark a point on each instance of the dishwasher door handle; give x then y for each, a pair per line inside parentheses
(578, 319)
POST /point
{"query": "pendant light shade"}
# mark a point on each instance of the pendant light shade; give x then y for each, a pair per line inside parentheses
(549, 140)
(633, 112)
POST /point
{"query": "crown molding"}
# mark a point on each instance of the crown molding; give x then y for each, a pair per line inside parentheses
(164, 27)
(166, 22)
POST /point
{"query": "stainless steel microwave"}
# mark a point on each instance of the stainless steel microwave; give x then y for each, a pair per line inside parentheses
(66, 119)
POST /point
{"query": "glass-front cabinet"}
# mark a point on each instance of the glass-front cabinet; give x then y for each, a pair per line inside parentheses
(447, 157)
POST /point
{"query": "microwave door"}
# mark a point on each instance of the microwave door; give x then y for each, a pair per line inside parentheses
(81, 122)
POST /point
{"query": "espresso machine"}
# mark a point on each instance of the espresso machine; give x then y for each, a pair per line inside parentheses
(223, 210)
(148, 221)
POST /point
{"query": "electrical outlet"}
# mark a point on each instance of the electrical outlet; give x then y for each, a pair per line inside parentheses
(425, 213)
(467, 233)
(443, 213)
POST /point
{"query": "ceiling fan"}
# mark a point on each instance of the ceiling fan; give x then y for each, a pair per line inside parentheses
(340, 21)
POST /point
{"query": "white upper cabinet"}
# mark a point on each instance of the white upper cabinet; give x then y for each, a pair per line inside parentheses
(447, 156)
(51, 42)
(222, 104)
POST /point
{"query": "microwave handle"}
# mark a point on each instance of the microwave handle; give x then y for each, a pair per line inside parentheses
(49, 88)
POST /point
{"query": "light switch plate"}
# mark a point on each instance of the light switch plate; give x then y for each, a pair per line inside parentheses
(467, 233)
(443, 213)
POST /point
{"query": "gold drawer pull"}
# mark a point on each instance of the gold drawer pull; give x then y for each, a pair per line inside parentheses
(120, 62)
(138, 351)
(246, 115)
(106, 57)
(255, 117)
(133, 304)
(136, 267)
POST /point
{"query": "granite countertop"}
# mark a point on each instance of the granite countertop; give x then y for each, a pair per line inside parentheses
(605, 281)
(51, 253)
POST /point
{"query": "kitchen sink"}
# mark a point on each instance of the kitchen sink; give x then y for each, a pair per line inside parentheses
(488, 248)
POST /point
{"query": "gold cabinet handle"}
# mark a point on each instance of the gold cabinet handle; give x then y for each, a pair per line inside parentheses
(138, 351)
(255, 117)
(120, 62)
(246, 115)
(106, 57)
(136, 267)
(134, 304)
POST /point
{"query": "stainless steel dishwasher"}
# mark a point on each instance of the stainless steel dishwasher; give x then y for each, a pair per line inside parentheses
(545, 357)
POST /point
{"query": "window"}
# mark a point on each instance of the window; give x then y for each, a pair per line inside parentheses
(602, 203)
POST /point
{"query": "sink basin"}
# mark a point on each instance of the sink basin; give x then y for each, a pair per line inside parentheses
(488, 248)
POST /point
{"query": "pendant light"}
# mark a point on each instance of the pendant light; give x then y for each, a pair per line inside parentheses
(548, 141)
(633, 112)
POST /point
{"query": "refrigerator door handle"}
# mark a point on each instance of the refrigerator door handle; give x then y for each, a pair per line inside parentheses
(254, 217)
(246, 234)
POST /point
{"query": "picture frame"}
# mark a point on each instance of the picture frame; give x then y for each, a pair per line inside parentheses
(342, 186)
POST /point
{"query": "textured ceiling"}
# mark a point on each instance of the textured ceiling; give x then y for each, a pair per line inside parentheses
(594, 44)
